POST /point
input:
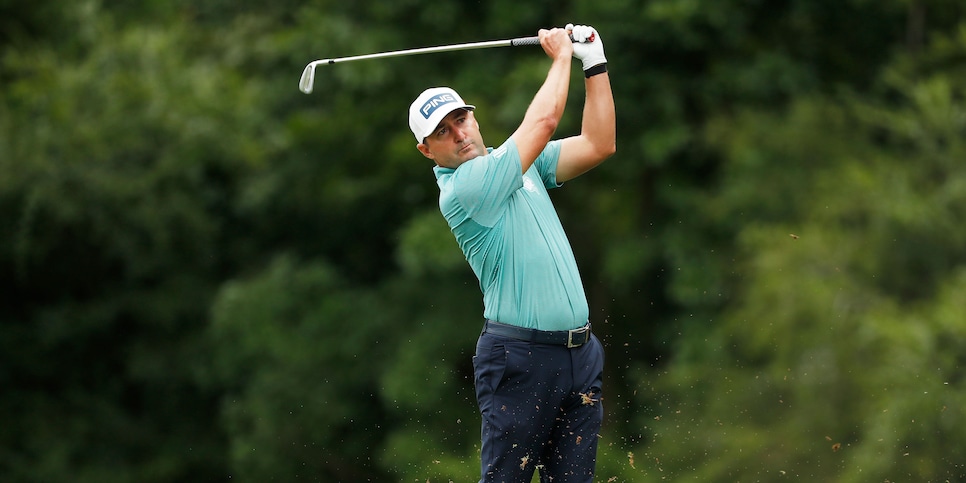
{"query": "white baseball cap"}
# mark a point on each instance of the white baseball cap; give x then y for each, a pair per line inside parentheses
(429, 109)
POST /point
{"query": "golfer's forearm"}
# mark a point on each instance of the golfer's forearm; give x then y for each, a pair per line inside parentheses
(544, 113)
(550, 100)
(599, 124)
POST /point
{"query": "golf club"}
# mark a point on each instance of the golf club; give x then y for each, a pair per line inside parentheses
(308, 75)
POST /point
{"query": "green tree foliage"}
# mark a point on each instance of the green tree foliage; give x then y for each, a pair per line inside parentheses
(841, 357)
(117, 175)
(296, 407)
(212, 275)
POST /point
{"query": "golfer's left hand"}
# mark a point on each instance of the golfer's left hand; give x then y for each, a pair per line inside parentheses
(588, 46)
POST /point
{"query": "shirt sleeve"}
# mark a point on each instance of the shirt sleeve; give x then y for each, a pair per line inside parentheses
(546, 164)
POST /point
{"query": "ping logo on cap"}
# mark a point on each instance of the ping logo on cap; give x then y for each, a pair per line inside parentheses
(434, 102)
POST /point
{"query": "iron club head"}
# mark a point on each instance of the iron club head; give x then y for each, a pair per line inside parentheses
(308, 78)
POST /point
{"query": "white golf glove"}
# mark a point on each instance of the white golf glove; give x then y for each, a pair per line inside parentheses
(588, 46)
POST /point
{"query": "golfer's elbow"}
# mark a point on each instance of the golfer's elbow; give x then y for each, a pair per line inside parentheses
(604, 149)
(532, 137)
(600, 140)
(547, 125)
(608, 150)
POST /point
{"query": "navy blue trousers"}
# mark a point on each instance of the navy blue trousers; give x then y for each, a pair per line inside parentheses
(542, 409)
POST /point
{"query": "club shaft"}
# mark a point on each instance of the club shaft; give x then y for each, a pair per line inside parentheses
(442, 48)
(308, 75)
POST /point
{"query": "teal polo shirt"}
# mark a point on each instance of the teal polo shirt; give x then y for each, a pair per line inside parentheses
(511, 236)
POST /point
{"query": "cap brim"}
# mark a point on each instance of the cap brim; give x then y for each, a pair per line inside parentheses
(441, 114)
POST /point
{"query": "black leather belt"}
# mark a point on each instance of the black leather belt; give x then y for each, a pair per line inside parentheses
(567, 338)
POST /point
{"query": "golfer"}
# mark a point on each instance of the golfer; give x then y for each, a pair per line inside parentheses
(538, 367)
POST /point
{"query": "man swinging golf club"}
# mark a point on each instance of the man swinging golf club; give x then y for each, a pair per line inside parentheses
(538, 368)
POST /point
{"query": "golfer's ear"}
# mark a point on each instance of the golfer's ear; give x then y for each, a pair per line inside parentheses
(425, 150)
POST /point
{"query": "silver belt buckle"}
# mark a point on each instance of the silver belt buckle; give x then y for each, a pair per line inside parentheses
(581, 331)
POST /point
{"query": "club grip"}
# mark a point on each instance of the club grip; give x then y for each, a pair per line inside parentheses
(525, 41)
(536, 41)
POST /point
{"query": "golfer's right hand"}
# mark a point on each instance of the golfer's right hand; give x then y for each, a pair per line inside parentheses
(556, 43)
(588, 46)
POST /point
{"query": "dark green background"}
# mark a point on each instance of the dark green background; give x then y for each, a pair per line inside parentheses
(210, 276)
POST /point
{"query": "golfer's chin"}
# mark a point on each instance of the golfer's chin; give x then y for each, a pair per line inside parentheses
(469, 152)
(462, 156)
